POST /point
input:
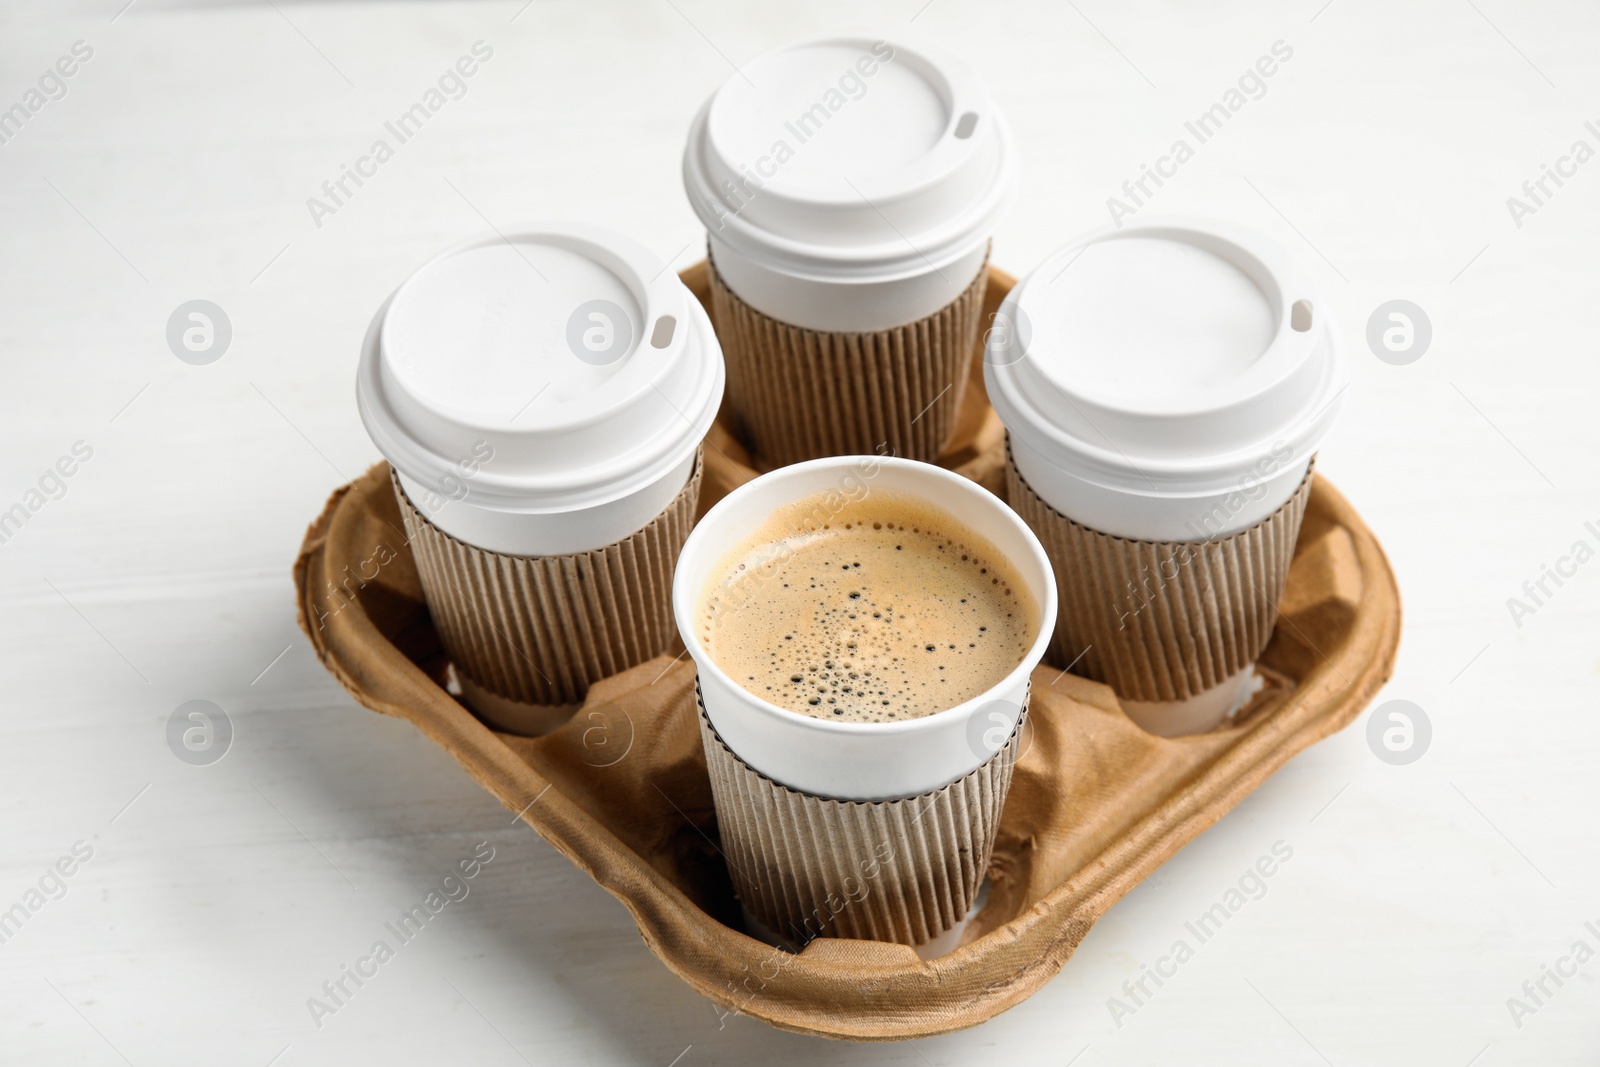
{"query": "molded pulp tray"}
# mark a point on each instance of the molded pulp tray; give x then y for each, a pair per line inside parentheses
(621, 790)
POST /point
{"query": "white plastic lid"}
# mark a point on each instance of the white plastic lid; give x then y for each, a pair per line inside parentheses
(851, 159)
(1166, 357)
(573, 353)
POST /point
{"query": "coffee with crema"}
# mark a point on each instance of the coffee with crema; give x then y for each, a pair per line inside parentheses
(877, 609)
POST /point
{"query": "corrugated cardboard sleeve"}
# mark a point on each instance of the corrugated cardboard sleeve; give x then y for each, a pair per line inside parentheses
(1162, 620)
(903, 870)
(540, 630)
(1096, 804)
(799, 394)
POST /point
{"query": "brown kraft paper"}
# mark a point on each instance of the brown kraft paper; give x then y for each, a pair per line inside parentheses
(904, 870)
(801, 394)
(1162, 620)
(529, 634)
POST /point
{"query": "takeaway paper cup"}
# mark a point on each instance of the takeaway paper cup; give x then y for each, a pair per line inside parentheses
(849, 188)
(1165, 387)
(542, 395)
(897, 818)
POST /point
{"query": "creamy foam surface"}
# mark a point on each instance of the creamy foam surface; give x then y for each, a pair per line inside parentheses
(871, 610)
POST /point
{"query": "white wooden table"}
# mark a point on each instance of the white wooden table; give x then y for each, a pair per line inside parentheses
(215, 900)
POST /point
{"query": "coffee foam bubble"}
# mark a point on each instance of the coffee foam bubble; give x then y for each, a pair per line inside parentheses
(873, 609)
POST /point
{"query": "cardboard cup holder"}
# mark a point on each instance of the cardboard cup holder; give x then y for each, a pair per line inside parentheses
(1095, 806)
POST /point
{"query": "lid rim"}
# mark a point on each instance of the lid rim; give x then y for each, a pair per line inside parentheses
(940, 243)
(501, 492)
(1197, 474)
(1234, 426)
(691, 385)
(625, 259)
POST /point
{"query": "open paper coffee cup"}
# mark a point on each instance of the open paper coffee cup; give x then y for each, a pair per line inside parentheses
(849, 188)
(806, 804)
(1165, 387)
(541, 395)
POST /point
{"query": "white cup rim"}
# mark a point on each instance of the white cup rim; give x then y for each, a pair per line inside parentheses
(686, 597)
